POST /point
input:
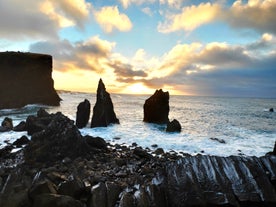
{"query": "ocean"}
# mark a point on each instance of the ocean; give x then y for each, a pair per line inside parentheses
(220, 126)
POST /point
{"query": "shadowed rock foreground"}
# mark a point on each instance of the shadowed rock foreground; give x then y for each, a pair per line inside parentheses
(26, 78)
(60, 167)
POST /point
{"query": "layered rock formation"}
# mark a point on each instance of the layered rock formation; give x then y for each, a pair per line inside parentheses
(25, 78)
(59, 167)
(103, 111)
(156, 108)
(83, 114)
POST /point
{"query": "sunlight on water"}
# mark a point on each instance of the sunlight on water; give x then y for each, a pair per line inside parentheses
(245, 125)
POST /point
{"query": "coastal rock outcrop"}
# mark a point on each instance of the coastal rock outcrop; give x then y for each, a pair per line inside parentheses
(156, 108)
(6, 125)
(271, 110)
(103, 111)
(83, 114)
(54, 137)
(26, 78)
(173, 126)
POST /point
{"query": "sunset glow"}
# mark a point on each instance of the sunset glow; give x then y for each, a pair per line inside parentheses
(216, 48)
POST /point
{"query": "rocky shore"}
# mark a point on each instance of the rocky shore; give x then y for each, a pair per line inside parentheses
(60, 167)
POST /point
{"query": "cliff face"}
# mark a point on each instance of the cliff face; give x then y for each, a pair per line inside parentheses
(26, 78)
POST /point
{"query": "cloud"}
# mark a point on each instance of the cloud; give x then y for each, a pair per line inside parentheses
(127, 3)
(190, 18)
(67, 12)
(23, 19)
(91, 54)
(257, 14)
(147, 11)
(110, 19)
(172, 3)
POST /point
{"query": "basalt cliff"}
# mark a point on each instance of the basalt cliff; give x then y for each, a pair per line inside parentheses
(26, 78)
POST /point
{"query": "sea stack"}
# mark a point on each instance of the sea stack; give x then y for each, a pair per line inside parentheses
(83, 114)
(156, 108)
(26, 78)
(103, 111)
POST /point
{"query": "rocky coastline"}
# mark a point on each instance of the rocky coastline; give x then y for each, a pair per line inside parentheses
(60, 167)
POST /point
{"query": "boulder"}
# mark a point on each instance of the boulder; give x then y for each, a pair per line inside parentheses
(51, 200)
(6, 125)
(42, 188)
(156, 108)
(103, 111)
(59, 139)
(274, 150)
(26, 78)
(20, 127)
(271, 110)
(96, 142)
(173, 126)
(21, 141)
(83, 114)
(73, 188)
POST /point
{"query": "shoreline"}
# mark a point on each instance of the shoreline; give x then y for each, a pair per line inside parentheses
(56, 167)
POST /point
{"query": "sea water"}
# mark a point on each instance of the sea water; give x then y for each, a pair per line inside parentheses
(210, 125)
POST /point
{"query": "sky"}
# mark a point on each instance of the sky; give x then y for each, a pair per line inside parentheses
(186, 47)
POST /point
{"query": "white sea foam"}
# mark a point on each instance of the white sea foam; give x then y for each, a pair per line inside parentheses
(242, 123)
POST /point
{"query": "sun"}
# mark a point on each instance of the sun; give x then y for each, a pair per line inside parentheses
(137, 88)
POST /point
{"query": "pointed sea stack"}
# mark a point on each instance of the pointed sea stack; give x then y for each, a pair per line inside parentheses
(103, 111)
(26, 78)
(156, 108)
(83, 114)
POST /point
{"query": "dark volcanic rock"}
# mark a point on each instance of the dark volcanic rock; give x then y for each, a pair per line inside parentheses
(271, 110)
(274, 150)
(95, 142)
(21, 141)
(103, 111)
(26, 78)
(173, 126)
(6, 125)
(156, 108)
(83, 114)
(20, 127)
(58, 139)
(51, 200)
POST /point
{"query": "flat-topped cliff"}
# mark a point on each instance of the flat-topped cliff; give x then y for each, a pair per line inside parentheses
(26, 78)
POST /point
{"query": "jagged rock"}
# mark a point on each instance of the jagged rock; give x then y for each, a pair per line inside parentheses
(38, 123)
(113, 191)
(141, 153)
(21, 141)
(96, 142)
(83, 114)
(173, 126)
(274, 150)
(20, 127)
(26, 78)
(99, 196)
(127, 200)
(51, 200)
(73, 188)
(156, 108)
(6, 125)
(271, 110)
(42, 188)
(58, 139)
(103, 111)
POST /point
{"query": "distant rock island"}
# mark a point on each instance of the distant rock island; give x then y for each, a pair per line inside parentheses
(26, 78)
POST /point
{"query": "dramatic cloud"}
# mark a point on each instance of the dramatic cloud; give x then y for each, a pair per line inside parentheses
(257, 14)
(110, 19)
(86, 55)
(190, 18)
(67, 12)
(23, 19)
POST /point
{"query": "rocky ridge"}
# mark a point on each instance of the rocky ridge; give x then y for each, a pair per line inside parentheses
(60, 167)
